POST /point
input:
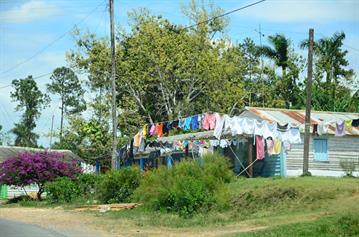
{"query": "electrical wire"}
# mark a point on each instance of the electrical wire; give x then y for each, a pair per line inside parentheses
(224, 14)
(51, 43)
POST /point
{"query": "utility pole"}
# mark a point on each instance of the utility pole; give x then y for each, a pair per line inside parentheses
(308, 103)
(262, 80)
(113, 82)
(52, 129)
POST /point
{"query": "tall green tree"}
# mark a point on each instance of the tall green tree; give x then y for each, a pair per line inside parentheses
(291, 65)
(30, 100)
(66, 84)
(279, 52)
(331, 75)
(164, 70)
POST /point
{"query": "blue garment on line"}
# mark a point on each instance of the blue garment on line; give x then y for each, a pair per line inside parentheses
(181, 123)
(187, 124)
(194, 122)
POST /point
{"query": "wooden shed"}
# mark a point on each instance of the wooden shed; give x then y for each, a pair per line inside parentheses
(326, 152)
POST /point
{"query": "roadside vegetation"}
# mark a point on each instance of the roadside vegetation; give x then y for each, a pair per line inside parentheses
(195, 194)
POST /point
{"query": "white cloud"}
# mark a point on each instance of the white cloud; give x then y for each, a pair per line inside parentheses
(304, 10)
(30, 11)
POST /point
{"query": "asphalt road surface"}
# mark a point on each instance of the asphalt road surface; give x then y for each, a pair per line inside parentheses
(20, 229)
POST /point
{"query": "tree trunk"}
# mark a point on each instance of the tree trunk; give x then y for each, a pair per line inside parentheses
(41, 190)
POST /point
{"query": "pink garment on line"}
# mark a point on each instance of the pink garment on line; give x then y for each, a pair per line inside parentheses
(153, 130)
(270, 145)
(259, 147)
(209, 121)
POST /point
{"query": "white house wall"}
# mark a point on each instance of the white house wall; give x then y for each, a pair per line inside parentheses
(338, 148)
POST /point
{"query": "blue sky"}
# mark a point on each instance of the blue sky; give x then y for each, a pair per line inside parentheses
(27, 26)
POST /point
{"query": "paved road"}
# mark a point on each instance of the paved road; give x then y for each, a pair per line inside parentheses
(20, 229)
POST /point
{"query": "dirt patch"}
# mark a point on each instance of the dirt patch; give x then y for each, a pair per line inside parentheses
(73, 223)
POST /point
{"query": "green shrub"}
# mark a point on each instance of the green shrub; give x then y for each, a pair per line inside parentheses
(87, 185)
(188, 187)
(62, 189)
(118, 186)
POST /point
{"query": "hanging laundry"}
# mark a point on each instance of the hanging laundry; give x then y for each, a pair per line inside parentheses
(223, 143)
(270, 145)
(247, 126)
(153, 130)
(142, 145)
(259, 147)
(355, 123)
(148, 130)
(283, 136)
(159, 128)
(235, 125)
(294, 135)
(340, 129)
(348, 125)
(194, 122)
(315, 129)
(209, 121)
(144, 130)
(219, 125)
(277, 147)
(181, 123)
(227, 124)
(187, 124)
(259, 127)
(323, 128)
(175, 124)
(282, 128)
(270, 130)
(200, 121)
(137, 139)
(166, 128)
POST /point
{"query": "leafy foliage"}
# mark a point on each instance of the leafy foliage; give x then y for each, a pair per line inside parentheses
(36, 168)
(90, 139)
(32, 100)
(118, 186)
(62, 189)
(66, 84)
(187, 188)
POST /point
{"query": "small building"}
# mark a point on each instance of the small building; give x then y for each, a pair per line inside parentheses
(10, 151)
(326, 152)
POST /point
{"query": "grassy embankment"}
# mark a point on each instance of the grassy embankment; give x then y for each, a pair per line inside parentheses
(306, 206)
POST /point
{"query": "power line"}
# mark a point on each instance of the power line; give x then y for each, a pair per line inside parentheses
(37, 77)
(224, 14)
(51, 43)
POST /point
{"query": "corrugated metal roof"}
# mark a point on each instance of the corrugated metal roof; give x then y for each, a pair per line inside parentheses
(296, 117)
(10, 151)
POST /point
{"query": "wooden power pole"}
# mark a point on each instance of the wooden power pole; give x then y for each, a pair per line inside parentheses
(308, 103)
(113, 82)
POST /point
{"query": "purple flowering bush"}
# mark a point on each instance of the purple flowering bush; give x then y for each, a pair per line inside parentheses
(37, 168)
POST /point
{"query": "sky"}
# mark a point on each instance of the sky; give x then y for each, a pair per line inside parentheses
(35, 35)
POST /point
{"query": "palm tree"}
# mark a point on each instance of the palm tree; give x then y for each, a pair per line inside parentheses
(331, 61)
(279, 52)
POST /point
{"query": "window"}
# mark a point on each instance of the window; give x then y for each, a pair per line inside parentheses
(320, 149)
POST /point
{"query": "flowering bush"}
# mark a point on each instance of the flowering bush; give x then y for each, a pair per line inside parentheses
(37, 168)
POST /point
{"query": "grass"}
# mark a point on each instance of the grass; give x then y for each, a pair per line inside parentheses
(302, 206)
(261, 201)
(346, 224)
